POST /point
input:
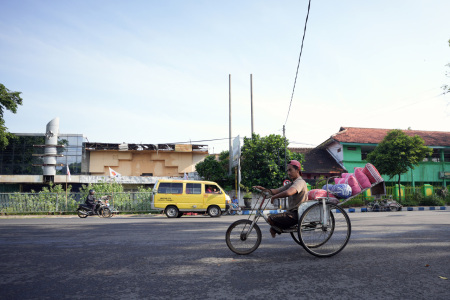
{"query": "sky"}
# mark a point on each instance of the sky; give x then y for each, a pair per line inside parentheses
(158, 72)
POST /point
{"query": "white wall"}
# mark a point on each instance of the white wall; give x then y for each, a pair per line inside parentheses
(337, 151)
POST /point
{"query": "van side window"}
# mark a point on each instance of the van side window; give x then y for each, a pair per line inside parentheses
(212, 189)
(170, 188)
(193, 188)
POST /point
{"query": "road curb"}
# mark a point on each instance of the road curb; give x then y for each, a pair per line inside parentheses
(360, 209)
(405, 208)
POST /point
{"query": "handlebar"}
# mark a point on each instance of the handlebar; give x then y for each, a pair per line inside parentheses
(263, 192)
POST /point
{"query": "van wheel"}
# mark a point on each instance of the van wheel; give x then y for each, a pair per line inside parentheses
(172, 212)
(214, 211)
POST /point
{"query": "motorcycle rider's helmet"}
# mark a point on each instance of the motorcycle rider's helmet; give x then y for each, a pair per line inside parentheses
(91, 192)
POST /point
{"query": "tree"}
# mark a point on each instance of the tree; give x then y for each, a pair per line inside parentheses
(398, 153)
(210, 169)
(446, 87)
(216, 170)
(263, 158)
(8, 100)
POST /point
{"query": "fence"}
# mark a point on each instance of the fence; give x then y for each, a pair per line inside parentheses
(408, 191)
(17, 203)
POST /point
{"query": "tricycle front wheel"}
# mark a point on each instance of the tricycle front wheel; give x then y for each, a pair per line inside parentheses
(243, 239)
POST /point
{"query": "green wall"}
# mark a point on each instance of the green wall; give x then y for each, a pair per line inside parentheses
(425, 172)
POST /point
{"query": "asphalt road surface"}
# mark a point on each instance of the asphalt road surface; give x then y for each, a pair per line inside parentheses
(390, 255)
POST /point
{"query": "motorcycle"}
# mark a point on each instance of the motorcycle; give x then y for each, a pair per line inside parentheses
(384, 205)
(102, 209)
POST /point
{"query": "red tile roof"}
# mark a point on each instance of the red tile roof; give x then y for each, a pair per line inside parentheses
(376, 135)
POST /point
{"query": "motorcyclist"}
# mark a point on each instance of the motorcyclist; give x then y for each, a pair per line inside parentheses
(90, 201)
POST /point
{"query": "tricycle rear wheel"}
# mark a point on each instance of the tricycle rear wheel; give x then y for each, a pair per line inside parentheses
(324, 238)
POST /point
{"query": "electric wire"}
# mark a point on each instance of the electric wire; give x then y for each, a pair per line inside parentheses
(200, 141)
(299, 58)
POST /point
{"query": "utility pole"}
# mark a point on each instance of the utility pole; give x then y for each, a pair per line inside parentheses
(230, 147)
(285, 153)
(251, 101)
(285, 147)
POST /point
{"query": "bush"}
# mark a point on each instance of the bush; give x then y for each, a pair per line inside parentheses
(355, 202)
(51, 199)
(447, 200)
(421, 200)
(433, 200)
(321, 181)
(412, 200)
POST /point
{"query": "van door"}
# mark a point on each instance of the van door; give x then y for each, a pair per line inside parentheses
(168, 193)
(193, 196)
(213, 195)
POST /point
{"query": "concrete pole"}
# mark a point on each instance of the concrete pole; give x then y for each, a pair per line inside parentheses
(229, 142)
(285, 153)
(251, 101)
(51, 141)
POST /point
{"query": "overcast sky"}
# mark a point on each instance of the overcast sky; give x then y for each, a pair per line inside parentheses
(157, 71)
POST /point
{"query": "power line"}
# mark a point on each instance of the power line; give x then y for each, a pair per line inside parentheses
(299, 58)
(301, 143)
(200, 141)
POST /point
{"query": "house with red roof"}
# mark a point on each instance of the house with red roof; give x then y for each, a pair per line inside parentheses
(349, 148)
(318, 162)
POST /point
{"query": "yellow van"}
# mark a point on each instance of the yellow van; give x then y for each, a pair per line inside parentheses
(176, 197)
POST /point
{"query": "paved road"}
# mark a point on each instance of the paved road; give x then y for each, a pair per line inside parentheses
(390, 255)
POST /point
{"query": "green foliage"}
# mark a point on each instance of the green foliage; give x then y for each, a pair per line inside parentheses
(433, 200)
(50, 200)
(210, 169)
(321, 181)
(216, 170)
(8, 100)
(398, 153)
(355, 202)
(263, 158)
(447, 199)
(102, 187)
(411, 200)
(262, 163)
(419, 199)
(120, 200)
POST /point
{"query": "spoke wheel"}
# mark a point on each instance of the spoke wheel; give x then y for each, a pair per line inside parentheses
(81, 214)
(242, 241)
(324, 240)
(105, 212)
